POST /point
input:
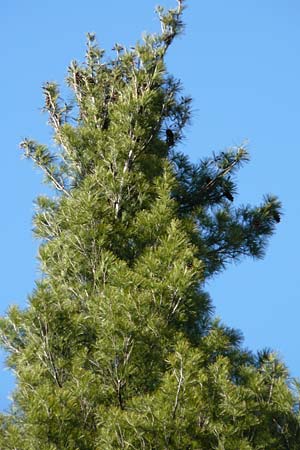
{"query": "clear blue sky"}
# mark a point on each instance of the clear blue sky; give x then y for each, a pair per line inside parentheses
(240, 62)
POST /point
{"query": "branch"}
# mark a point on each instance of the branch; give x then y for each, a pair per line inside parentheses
(180, 380)
(48, 353)
(59, 187)
(44, 158)
(225, 171)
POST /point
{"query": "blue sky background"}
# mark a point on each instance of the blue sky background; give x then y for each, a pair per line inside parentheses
(240, 62)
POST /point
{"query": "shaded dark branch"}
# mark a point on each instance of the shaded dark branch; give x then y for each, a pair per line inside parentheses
(221, 174)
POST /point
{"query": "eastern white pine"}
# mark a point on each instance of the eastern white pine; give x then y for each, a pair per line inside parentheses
(117, 347)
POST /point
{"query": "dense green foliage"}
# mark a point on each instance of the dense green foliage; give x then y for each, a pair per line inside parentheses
(118, 348)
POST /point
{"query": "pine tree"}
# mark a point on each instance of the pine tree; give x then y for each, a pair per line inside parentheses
(118, 347)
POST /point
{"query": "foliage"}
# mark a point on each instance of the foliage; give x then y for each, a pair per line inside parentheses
(118, 348)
